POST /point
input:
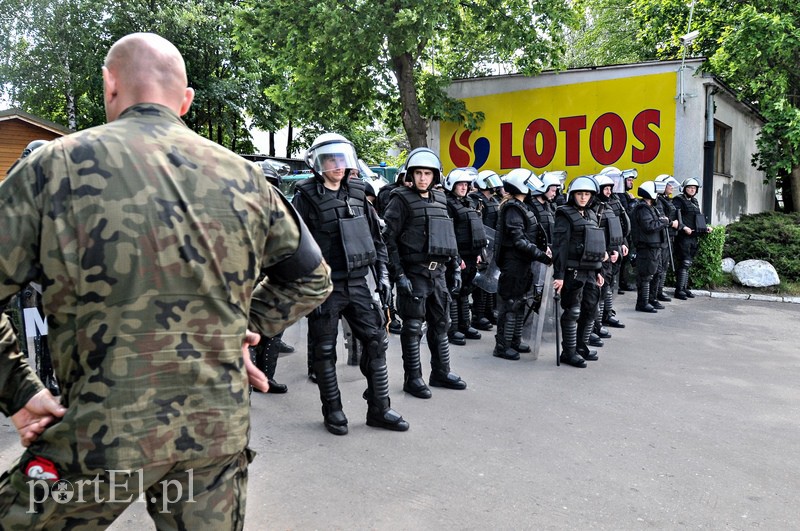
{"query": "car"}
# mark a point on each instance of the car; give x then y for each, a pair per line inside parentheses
(290, 181)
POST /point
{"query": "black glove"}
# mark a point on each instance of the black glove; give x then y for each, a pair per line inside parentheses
(456, 289)
(404, 286)
(384, 289)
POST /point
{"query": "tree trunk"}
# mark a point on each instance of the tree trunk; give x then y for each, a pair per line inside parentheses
(289, 140)
(272, 144)
(793, 193)
(413, 123)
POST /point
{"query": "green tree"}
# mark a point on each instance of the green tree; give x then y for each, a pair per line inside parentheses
(362, 62)
(52, 53)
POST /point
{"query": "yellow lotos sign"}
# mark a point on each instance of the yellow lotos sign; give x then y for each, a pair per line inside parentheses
(580, 128)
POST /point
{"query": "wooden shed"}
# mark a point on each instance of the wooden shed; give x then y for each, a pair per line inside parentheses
(17, 129)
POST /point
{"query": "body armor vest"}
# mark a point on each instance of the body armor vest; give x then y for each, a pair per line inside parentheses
(533, 232)
(341, 228)
(610, 223)
(428, 235)
(468, 226)
(546, 216)
(643, 212)
(691, 216)
(587, 244)
(622, 214)
(489, 209)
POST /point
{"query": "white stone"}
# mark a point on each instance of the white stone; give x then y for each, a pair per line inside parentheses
(756, 274)
(727, 265)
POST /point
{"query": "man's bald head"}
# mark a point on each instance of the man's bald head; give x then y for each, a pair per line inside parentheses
(145, 68)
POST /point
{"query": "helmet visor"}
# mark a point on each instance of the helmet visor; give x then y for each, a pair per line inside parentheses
(332, 157)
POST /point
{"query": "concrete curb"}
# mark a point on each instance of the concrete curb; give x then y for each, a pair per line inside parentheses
(746, 296)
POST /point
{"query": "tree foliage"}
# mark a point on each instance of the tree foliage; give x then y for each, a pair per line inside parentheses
(52, 53)
(362, 61)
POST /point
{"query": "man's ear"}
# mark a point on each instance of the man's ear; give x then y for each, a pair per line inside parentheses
(188, 97)
(109, 85)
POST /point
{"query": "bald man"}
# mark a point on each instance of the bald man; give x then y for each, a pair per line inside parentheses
(147, 240)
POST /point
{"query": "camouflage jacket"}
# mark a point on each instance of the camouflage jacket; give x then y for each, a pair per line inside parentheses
(148, 240)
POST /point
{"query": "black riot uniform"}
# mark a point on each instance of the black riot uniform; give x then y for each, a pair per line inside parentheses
(347, 230)
(579, 252)
(616, 226)
(687, 211)
(422, 245)
(666, 209)
(471, 242)
(650, 236)
(485, 201)
(519, 241)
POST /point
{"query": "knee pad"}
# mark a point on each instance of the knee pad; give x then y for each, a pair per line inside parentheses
(572, 313)
(412, 326)
(324, 349)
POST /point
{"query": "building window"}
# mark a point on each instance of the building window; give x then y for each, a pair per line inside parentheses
(722, 148)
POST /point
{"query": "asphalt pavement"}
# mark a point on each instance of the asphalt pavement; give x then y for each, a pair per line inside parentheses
(690, 419)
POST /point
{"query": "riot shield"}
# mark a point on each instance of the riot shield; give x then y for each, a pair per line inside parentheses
(487, 276)
(538, 300)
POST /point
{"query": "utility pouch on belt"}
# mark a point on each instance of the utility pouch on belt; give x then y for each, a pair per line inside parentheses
(359, 248)
(441, 237)
(594, 245)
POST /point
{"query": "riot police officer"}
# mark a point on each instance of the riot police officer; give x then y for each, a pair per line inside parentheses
(347, 230)
(580, 250)
(623, 189)
(422, 245)
(519, 241)
(691, 224)
(650, 234)
(485, 201)
(615, 224)
(381, 201)
(665, 184)
(471, 241)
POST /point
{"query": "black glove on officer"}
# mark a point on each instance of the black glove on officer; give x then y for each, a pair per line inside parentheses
(384, 288)
(404, 286)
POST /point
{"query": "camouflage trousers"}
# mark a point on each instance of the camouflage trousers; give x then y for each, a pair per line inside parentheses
(196, 494)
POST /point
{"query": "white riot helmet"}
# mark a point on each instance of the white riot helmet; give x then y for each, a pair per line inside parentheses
(460, 175)
(664, 180)
(615, 174)
(603, 180)
(631, 174)
(331, 151)
(691, 181)
(517, 181)
(488, 180)
(647, 190)
(584, 183)
(423, 157)
(553, 178)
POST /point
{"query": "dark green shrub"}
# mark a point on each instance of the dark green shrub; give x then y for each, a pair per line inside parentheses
(770, 236)
(706, 271)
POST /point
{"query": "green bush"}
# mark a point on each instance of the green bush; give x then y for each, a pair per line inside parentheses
(770, 236)
(706, 271)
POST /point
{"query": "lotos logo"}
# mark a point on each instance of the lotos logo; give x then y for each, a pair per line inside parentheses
(463, 155)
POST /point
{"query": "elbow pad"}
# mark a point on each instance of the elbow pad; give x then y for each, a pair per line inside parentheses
(304, 260)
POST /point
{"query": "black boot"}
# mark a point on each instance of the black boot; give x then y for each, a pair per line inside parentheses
(271, 362)
(569, 355)
(379, 411)
(643, 298)
(519, 322)
(409, 342)
(453, 335)
(653, 299)
(479, 319)
(325, 369)
(441, 375)
(681, 278)
(584, 334)
(505, 334)
(598, 329)
(661, 296)
(464, 318)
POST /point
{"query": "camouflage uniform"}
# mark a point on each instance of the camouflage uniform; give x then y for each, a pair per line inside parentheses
(147, 239)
